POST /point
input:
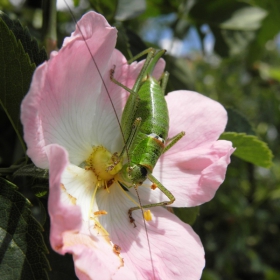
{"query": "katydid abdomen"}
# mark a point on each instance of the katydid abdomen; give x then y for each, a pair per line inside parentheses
(148, 143)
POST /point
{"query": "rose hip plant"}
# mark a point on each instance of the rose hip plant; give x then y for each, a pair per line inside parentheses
(70, 110)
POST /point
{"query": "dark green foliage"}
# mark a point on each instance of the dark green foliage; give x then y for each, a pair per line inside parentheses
(187, 215)
(238, 123)
(29, 44)
(15, 76)
(22, 252)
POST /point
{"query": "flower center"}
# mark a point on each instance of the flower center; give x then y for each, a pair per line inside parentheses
(104, 164)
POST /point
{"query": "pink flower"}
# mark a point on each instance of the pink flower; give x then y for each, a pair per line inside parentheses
(67, 112)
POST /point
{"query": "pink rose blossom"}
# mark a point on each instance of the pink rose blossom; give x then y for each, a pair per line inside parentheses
(67, 112)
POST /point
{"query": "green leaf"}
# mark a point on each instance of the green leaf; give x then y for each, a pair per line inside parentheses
(22, 249)
(38, 178)
(233, 23)
(33, 171)
(267, 31)
(15, 76)
(187, 215)
(30, 45)
(249, 148)
(128, 9)
(238, 123)
(269, 72)
(76, 3)
(40, 189)
(247, 18)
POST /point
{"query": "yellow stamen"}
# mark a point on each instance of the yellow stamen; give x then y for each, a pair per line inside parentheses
(100, 213)
(148, 215)
(103, 164)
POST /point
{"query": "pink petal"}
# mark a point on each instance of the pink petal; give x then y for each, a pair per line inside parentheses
(67, 103)
(92, 252)
(202, 119)
(194, 176)
(176, 250)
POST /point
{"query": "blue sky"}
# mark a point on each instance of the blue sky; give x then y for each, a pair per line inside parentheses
(157, 31)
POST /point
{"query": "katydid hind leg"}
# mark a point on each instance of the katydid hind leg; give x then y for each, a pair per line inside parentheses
(164, 79)
(159, 185)
(173, 141)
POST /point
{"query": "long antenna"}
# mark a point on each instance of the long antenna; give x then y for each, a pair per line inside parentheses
(115, 112)
(96, 66)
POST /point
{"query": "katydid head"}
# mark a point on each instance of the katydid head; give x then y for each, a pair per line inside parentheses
(133, 174)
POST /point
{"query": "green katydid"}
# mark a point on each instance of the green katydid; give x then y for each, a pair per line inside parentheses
(145, 124)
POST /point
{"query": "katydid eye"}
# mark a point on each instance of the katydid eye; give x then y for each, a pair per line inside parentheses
(143, 171)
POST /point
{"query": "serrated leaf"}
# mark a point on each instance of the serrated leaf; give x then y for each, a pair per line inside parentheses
(15, 76)
(128, 9)
(238, 123)
(249, 148)
(22, 250)
(30, 45)
(187, 215)
(32, 171)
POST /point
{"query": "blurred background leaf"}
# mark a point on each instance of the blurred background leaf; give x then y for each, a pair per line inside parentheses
(249, 148)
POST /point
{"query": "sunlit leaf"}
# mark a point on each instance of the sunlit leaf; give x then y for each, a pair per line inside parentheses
(233, 23)
(249, 148)
(247, 18)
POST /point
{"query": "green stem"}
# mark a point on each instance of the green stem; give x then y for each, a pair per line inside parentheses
(49, 25)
